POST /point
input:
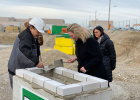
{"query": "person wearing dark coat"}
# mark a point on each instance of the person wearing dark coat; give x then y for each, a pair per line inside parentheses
(107, 50)
(87, 52)
(26, 49)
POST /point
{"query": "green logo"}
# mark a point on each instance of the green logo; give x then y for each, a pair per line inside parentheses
(28, 95)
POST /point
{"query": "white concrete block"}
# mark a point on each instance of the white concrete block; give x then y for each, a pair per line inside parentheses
(69, 73)
(39, 80)
(20, 72)
(52, 85)
(104, 83)
(69, 89)
(89, 85)
(36, 70)
(29, 76)
(59, 70)
(81, 77)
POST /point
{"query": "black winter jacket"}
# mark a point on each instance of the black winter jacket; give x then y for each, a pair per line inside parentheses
(25, 53)
(29, 46)
(109, 55)
(88, 55)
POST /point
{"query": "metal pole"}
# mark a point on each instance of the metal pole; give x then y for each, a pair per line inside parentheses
(95, 17)
(109, 15)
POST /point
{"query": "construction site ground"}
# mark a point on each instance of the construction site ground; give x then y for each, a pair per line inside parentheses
(126, 83)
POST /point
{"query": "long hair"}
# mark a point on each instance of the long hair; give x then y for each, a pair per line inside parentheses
(100, 29)
(81, 32)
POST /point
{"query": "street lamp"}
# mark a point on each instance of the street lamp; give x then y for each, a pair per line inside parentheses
(109, 16)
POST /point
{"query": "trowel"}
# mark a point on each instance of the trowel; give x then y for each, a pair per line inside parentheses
(49, 67)
(57, 63)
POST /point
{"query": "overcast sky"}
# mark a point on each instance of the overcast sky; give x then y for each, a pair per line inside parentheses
(80, 11)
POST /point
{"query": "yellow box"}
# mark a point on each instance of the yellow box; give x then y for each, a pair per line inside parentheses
(74, 50)
(67, 50)
(61, 41)
(11, 29)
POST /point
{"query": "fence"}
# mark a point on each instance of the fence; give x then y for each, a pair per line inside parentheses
(133, 24)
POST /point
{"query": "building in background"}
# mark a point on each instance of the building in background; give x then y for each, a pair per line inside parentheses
(20, 22)
(104, 24)
(11, 24)
(7, 21)
(50, 23)
(55, 21)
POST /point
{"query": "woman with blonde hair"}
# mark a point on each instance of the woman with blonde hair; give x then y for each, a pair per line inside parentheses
(87, 52)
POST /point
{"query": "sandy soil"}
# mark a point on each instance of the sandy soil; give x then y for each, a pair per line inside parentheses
(126, 84)
(7, 38)
(5, 90)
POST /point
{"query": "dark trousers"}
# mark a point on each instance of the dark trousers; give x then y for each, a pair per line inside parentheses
(11, 80)
(108, 84)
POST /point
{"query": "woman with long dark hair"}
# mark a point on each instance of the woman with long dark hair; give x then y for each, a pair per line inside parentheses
(107, 50)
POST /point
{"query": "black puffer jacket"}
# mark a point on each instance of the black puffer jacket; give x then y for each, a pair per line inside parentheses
(88, 55)
(109, 55)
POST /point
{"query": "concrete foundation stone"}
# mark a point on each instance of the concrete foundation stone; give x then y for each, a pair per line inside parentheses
(20, 72)
(81, 77)
(29, 76)
(39, 80)
(65, 86)
(89, 85)
(104, 83)
(69, 89)
(69, 73)
(52, 85)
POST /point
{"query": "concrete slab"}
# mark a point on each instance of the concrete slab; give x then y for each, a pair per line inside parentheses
(106, 95)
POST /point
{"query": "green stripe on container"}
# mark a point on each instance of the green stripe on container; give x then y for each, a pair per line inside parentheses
(30, 95)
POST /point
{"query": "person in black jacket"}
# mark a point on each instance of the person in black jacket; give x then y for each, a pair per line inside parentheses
(87, 52)
(107, 50)
(26, 49)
